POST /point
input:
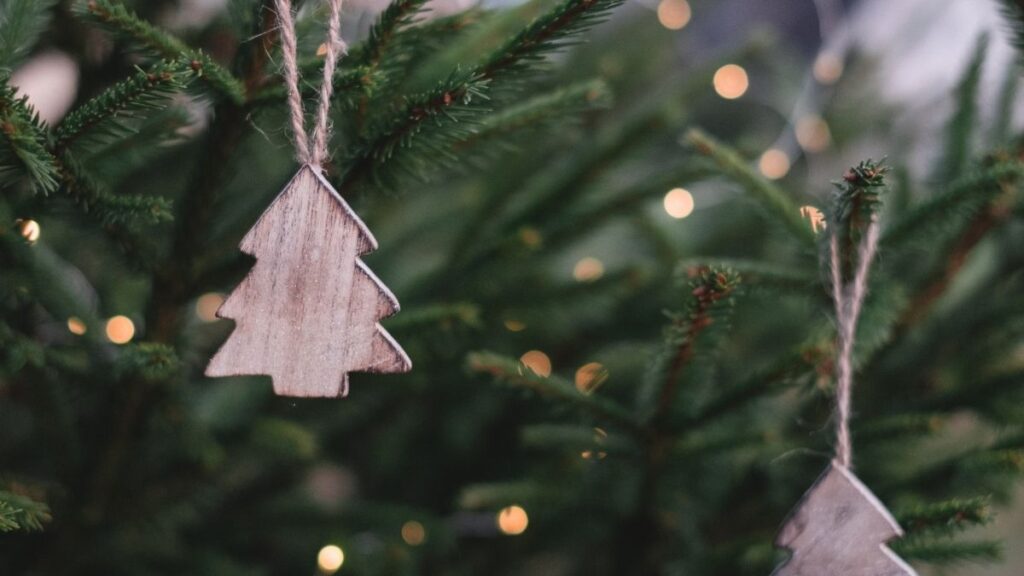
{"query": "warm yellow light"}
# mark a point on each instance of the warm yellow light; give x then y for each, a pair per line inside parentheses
(76, 326)
(330, 559)
(814, 216)
(120, 330)
(678, 203)
(774, 164)
(29, 230)
(514, 325)
(588, 269)
(530, 237)
(207, 305)
(413, 533)
(674, 14)
(828, 68)
(812, 133)
(513, 520)
(731, 81)
(538, 362)
(590, 376)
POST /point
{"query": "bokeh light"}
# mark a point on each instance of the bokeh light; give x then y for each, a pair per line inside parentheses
(513, 520)
(76, 326)
(330, 559)
(29, 230)
(731, 81)
(120, 330)
(774, 163)
(413, 533)
(812, 133)
(590, 376)
(538, 362)
(828, 68)
(514, 325)
(207, 306)
(678, 203)
(588, 269)
(674, 14)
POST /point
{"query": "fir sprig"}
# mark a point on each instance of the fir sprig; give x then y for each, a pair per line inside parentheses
(18, 512)
(26, 136)
(548, 33)
(145, 90)
(21, 23)
(115, 16)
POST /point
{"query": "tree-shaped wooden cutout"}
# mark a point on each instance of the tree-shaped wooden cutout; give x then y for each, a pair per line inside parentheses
(840, 528)
(307, 313)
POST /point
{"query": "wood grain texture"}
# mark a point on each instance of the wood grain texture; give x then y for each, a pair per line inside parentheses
(840, 528)
(307, 313)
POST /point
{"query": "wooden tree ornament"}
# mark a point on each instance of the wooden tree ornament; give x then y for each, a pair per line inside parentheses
(307, 313)
(840, 528)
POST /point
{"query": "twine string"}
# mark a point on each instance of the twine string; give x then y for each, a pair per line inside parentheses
(310, 150)
(849, 299)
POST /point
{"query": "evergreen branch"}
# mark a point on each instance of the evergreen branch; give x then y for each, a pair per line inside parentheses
(775, 200)
(548, 33)
(998, 211)
(514, 372)
(590, 441)
(26, 136)
(964, 197)
(115, 16)
(548, 107)
(946, 517)
(1013, 11)
(145, 90)
(428, 123)
(754, 272)
(711, 298)
(21, 24)
(947, 552)
(961, 126)
(398, 15)
(18, 512)
(884, 430)
(116, 212)
(346, 83)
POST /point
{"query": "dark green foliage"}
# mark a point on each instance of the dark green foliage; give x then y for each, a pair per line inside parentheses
(21, 23)
(690, 395)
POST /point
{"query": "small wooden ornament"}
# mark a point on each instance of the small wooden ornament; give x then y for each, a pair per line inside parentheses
(840, 528)
(307, 313)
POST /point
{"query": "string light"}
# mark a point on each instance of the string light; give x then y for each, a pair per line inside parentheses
(812, 133)
(590, 376)
(330, 559)
(413, 533)
(76, 326)
(530, 237)
(120, 330)
(674, 14)
(678, 203)
(774, 163)
(29, 229)
(207, 306)
(588, 269)
(828, 68)
(538, 362)
(814, 216)
(513, 520)
(514, 325)
(731, 81)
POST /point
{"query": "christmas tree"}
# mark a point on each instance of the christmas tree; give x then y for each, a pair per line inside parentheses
(309, 306)
(607, 244)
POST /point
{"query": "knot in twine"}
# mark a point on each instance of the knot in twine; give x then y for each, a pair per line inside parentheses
(312, 149)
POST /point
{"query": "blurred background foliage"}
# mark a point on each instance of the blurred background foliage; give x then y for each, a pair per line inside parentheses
(608, 256)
